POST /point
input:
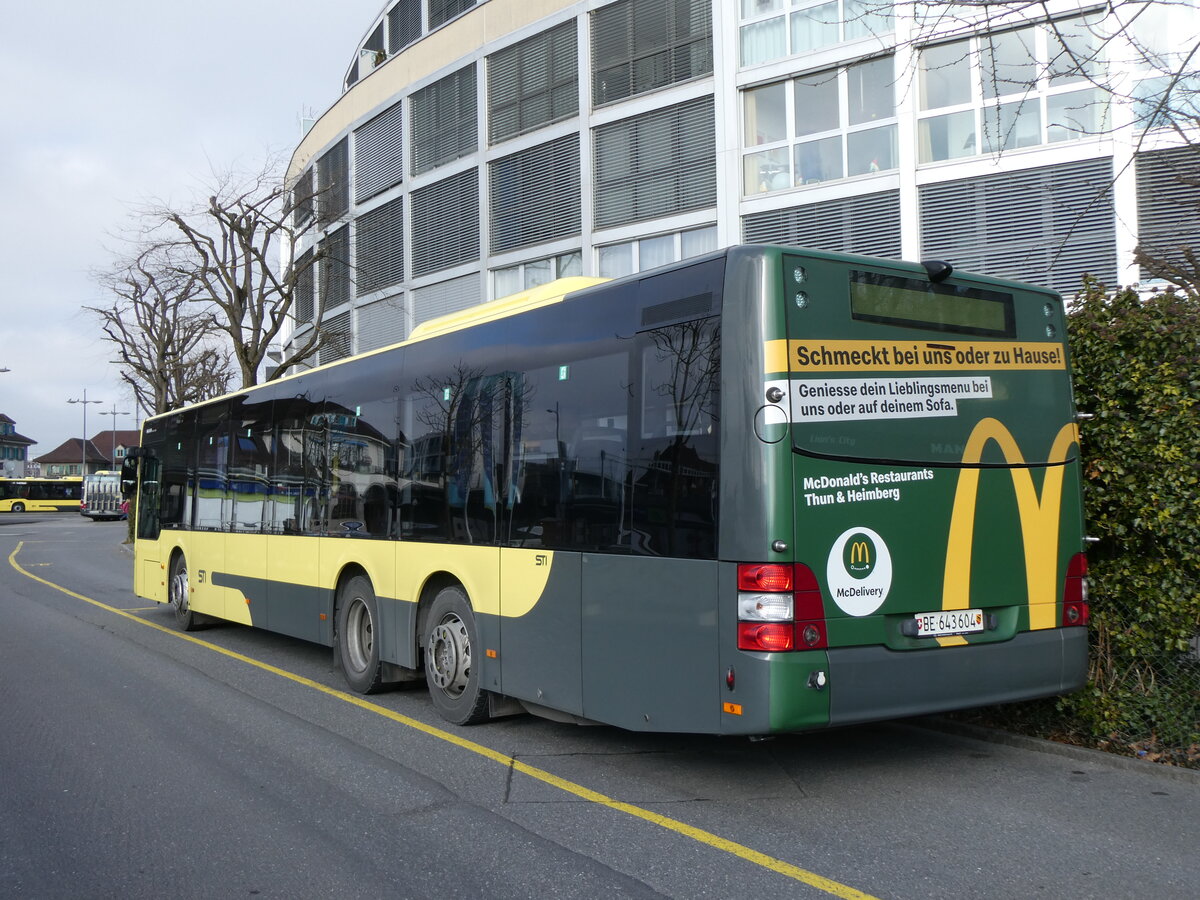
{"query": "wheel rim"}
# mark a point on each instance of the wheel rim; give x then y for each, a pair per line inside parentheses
(179, 591)
(450, 655)
(360, 635)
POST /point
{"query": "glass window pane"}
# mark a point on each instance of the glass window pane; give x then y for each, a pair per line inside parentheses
(1078, 114)
(766, 114)
(870, 151)
(1007, 64)
(815, 27)
(1075, 47)
(764, 41)
(538, 272)
(752, 8)
(818, 161)
(506, 281)
(816, 103)
(656, 251)
(616, 260)
(570, 264)
(866, 17)
(698, 240)
(1012, 125)
(871, 91)
(767, 171)
(946, 137)
(945, 75)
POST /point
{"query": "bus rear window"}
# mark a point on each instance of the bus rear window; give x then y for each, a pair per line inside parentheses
(913, 303)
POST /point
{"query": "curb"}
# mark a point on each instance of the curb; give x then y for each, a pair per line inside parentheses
(1040, 745)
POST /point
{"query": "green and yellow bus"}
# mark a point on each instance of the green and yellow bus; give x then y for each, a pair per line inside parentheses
(41, 494)
(766, 490)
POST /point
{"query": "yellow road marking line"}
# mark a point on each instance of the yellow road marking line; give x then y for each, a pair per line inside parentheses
(778, 866)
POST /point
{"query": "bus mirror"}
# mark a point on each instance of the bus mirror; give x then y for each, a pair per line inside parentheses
(129, 469)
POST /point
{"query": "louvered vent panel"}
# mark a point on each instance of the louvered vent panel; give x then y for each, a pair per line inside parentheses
(305, 295)
(381, 324)
(535, 195)
(533, 83)
(869, 224)
(379, 240)
(404, 24)
(445, 223)
(333, 182)
(442, 11)
(335, 268)
(378, 164)
(448, 297)
(444, 121)
(656, 164)
(337, 343)
(1168, 186)
(644, 45)
(1047, 226)
(302, 198)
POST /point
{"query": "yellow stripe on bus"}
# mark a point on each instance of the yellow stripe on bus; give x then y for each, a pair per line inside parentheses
(699, 835)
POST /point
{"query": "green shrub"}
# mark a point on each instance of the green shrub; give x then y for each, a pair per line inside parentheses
(1137, 370)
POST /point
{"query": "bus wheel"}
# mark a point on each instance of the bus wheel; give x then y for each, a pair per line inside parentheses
(358, 631)
(180, 597)
(449, 641)
(18, 507)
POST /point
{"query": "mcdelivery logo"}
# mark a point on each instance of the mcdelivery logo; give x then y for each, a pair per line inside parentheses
(859, 555)
(859, 571)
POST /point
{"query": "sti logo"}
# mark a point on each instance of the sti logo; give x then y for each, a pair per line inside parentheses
(859, 556)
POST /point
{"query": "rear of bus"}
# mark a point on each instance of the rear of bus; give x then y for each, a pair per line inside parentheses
(924, 522)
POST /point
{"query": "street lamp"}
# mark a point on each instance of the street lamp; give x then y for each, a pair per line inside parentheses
(113, 412)
(85, 401)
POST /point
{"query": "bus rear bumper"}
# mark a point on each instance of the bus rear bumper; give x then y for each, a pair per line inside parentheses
(871, 683)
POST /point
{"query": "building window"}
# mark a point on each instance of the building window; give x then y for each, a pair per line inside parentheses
(644, 45)
(533, 83)
(442, 11)
(404, 24)
(302, 199)
(773, 29)
(333, 182)
(335, 268)
(617, 260)
(526, 275)
(445, 223)
(304, 295)
(535, 195)
(444, 126)
(820, 127)
(867, 224)
(378, 162)
(1006, 90)
(656, 164)
(379, 241)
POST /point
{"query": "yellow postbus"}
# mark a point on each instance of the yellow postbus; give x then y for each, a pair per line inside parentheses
(41, 494)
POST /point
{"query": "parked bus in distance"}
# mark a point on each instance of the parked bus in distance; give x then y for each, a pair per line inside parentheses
(765, 490)
(102, 498)
(40, 494)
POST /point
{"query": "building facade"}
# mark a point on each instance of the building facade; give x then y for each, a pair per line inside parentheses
(481, 147)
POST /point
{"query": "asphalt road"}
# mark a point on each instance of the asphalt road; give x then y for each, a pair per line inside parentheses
(135, 762)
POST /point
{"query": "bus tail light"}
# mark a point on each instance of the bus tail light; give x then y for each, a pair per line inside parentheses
(810, 610)
(779, 608)
(1075, 593)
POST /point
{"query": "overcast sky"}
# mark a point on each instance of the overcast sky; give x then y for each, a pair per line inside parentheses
(107, 105)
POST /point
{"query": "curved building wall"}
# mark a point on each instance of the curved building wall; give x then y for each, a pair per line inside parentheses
(486, 146)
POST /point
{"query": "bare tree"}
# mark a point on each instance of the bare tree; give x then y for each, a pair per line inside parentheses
(169, 355)
(241, 250)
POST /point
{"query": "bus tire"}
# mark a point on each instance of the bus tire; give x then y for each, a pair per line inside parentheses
(358, 635)
(450, 642)
(179, 595)
(18, 507)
